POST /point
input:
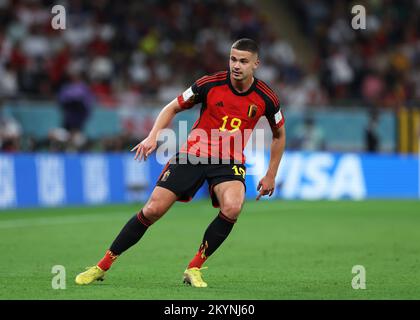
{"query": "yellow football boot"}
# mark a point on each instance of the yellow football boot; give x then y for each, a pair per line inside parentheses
(90, 275)
(192, 276)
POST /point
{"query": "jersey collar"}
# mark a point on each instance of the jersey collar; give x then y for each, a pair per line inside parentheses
(251, 88)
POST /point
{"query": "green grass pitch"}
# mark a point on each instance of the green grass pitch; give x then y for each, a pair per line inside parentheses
(277, 250)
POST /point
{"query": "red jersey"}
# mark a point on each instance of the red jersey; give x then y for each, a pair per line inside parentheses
(227, 117)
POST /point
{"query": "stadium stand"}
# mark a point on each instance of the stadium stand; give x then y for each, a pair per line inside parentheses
(139, 55)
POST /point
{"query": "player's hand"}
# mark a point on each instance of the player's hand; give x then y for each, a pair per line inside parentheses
(144, 148)
(265, 187)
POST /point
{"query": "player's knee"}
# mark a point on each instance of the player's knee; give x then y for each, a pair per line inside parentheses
(232, 208)
(153, 211)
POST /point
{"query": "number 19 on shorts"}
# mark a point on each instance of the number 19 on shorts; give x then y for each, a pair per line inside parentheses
(239, 171)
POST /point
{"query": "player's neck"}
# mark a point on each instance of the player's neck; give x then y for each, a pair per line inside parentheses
(242, 86)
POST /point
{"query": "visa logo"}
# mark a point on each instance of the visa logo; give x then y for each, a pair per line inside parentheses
(321, 176)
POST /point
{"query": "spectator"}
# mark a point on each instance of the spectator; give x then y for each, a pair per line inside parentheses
(372, 88)
(76, 103)
(10, 133)
(8, 82)
(372, 134)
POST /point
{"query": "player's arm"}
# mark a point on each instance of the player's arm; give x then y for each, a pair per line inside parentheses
(267, 183)
(165, 117)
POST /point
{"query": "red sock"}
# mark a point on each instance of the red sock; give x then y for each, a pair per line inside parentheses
(199, 258)
(107, 260)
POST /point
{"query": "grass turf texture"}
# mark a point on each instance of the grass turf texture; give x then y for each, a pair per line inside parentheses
(277, 250)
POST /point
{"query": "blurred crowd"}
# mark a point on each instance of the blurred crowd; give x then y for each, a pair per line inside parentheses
(129, 50)
(125, 55)
(378, 66)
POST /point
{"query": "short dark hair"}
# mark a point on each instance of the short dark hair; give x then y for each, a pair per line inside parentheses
(246, 44)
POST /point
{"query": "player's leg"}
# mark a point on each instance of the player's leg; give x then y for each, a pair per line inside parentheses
(176, 182)
(230, 195)
(158, 204)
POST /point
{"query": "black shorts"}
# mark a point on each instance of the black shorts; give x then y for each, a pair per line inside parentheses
(185, 178)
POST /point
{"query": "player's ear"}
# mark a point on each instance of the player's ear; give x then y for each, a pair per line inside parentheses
(256, 63)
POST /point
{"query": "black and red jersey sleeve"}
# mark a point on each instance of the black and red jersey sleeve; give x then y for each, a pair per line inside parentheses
(197, 93)
(274, 115)
(190, 97)
(273, 111)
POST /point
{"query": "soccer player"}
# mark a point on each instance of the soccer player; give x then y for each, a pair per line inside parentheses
(232, 102)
